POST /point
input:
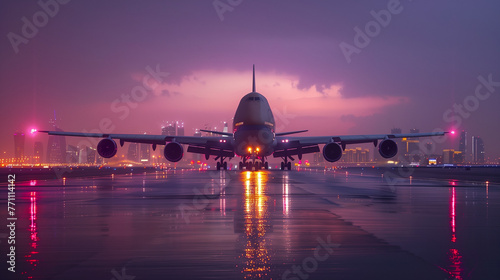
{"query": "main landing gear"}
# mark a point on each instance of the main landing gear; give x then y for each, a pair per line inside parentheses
(221, 164)
(286, 164)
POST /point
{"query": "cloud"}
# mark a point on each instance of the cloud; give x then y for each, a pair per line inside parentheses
(210, 95)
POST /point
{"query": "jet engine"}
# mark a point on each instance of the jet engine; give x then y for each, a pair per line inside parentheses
(107, 148)
(388, 148)
(173, 151)
(332, 152)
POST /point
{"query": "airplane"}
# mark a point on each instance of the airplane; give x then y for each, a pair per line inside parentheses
(253, 139)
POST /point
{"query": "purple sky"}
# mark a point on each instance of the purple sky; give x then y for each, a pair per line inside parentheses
(427, 58)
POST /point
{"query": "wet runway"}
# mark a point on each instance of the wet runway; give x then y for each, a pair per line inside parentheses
(253, 225)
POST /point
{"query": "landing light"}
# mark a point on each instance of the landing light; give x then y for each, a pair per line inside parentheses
(257, 149)
(249, 149)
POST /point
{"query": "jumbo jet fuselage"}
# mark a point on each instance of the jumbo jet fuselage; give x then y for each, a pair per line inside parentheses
(253, 127)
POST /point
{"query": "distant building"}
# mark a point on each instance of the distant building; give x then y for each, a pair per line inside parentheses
(169, 129)
(145, 154)
(411, 146)
(92, 156)
(72, 154)
(82, 155)
(56, 148)
(180, 129)
(318, 158)
(133, 152)
(458, 157)
(448, 155)
(356, 155)
(396, 131)
(477, 147)
(462, 146)
(429, 147)
(225, 129)
(451, 156)
(38, 152)
(19, 138)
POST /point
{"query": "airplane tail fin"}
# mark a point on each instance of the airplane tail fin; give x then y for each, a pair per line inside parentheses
(253, 84)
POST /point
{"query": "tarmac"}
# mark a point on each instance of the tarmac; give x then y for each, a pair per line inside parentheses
(299, 224)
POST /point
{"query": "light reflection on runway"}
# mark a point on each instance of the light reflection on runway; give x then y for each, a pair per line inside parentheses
(256, 256)
(256, 225)
(455, 269)
(32, 256)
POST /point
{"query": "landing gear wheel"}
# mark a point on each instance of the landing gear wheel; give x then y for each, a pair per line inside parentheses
(266, 165)
(249, 166)
(257, 166)
(225, 165)
(289, 165)
(282, 166)
(218, 165)
(241, 165)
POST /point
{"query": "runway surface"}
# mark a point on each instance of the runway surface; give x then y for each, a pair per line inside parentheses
(252, 225)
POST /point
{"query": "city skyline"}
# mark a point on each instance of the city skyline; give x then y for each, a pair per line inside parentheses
(439, 73)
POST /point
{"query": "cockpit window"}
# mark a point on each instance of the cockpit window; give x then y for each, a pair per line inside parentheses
(250, 98)
(257, 98)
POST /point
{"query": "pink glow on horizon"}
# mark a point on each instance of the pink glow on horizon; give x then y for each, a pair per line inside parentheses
(217, 94)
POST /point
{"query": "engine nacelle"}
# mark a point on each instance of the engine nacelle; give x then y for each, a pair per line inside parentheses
(173, 151)
(332, 152)
(388, 148)
(107, 148)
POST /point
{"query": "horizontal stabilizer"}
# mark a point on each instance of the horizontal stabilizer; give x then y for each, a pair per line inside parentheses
(290, 132)
(217, 132)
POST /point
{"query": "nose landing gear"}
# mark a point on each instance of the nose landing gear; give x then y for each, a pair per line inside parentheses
(251, 164)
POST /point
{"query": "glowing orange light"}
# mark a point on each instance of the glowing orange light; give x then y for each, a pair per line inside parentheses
(249, 149)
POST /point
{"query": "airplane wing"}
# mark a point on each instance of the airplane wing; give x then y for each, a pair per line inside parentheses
(299, 145)
(353, 139)
(213, 145)
(142, 138)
